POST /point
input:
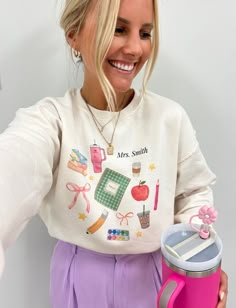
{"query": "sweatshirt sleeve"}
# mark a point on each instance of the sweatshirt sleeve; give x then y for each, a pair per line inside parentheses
(194, 177)
(29, 152)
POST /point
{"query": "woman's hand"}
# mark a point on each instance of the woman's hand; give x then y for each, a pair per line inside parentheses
(223, 290)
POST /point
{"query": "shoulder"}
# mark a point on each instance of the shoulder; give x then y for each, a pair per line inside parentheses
(50, 109)
(54, 106)
(163, 105)
(65, 101)
(155, 98)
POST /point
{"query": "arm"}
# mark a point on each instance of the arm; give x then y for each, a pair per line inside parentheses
(194, 177)
(193, 189)
(29, 150)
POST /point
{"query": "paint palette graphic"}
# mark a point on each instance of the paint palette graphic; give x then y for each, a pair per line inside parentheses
(117, 235)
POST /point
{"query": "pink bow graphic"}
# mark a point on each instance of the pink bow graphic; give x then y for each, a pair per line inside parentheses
(124, 217)
(77, 190)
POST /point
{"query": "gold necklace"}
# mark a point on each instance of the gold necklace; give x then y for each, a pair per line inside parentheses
(101, 127)
(110, 148)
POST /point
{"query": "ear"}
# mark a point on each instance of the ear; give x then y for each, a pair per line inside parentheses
(73, 40)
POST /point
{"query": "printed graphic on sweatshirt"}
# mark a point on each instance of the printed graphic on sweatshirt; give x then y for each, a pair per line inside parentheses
(118, 235)
(133, 153)
(124, 219)
(136, 168)
(74, 188)
(78, 162)
(111, 188)
(139, 234)
(144, 218)
(152, 167)
(98, 155)
(156, 196)
(140, 192)
(82, 216)
(98, 223)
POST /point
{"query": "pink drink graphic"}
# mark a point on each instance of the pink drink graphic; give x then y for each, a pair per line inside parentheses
(98, 155)
(156, 196)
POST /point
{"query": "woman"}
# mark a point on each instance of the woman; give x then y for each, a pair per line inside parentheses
(108, 168)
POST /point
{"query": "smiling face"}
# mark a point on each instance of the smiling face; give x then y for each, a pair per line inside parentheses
(131, 45)
(129, 50)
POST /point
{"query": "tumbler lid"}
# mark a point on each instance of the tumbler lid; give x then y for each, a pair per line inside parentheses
(183, 247)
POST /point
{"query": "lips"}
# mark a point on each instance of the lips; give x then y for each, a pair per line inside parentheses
(122, 66)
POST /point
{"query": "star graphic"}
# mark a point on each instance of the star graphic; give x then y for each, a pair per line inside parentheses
(91, 177)
(152, 167)
(82, 216)
(139, 234)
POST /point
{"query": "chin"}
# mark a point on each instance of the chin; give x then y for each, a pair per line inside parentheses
(121, 88)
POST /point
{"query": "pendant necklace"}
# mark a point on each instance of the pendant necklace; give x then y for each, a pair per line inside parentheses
(110, 148)
(101, 127)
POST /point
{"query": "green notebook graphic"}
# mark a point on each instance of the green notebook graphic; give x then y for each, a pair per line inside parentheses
(111, 188)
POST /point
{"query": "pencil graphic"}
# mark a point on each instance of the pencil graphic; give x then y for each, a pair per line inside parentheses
(98, 223)
(156, 196)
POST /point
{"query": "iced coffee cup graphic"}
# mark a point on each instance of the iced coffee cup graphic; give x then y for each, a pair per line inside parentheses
(98, 155)
(136, 169)
(144, 218)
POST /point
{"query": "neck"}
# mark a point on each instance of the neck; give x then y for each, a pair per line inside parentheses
(99, 101)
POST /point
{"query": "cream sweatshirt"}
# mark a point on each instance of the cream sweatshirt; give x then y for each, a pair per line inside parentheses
(54, 162)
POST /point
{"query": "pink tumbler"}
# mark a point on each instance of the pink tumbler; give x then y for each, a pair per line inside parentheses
(191, 270)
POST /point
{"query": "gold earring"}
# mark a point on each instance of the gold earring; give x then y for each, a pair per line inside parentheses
(76, 53)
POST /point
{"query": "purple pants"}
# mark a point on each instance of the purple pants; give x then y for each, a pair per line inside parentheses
(82, 278)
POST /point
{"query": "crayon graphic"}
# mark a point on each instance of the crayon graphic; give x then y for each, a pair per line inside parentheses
(98, 223)
(156, 196)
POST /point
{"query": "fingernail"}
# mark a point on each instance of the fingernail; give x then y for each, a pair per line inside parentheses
(222, 294)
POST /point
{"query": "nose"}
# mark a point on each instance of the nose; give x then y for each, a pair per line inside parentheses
(133, 45)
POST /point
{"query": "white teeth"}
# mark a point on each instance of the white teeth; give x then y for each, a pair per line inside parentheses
(123, 67)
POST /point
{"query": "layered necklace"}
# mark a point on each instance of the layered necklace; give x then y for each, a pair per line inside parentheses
(100, 127)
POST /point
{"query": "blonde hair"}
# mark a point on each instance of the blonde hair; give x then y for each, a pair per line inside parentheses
(72, 20)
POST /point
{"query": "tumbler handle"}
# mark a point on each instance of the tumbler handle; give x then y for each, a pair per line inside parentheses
(169, 291)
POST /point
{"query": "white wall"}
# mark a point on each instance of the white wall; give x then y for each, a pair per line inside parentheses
(196, 67)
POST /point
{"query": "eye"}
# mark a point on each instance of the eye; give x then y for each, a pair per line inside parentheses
(145, 35)
(119, 30)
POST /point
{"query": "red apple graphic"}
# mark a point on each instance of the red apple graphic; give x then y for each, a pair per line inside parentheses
(140, 192)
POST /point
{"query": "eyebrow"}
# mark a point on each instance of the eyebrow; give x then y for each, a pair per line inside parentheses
(127, 22)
